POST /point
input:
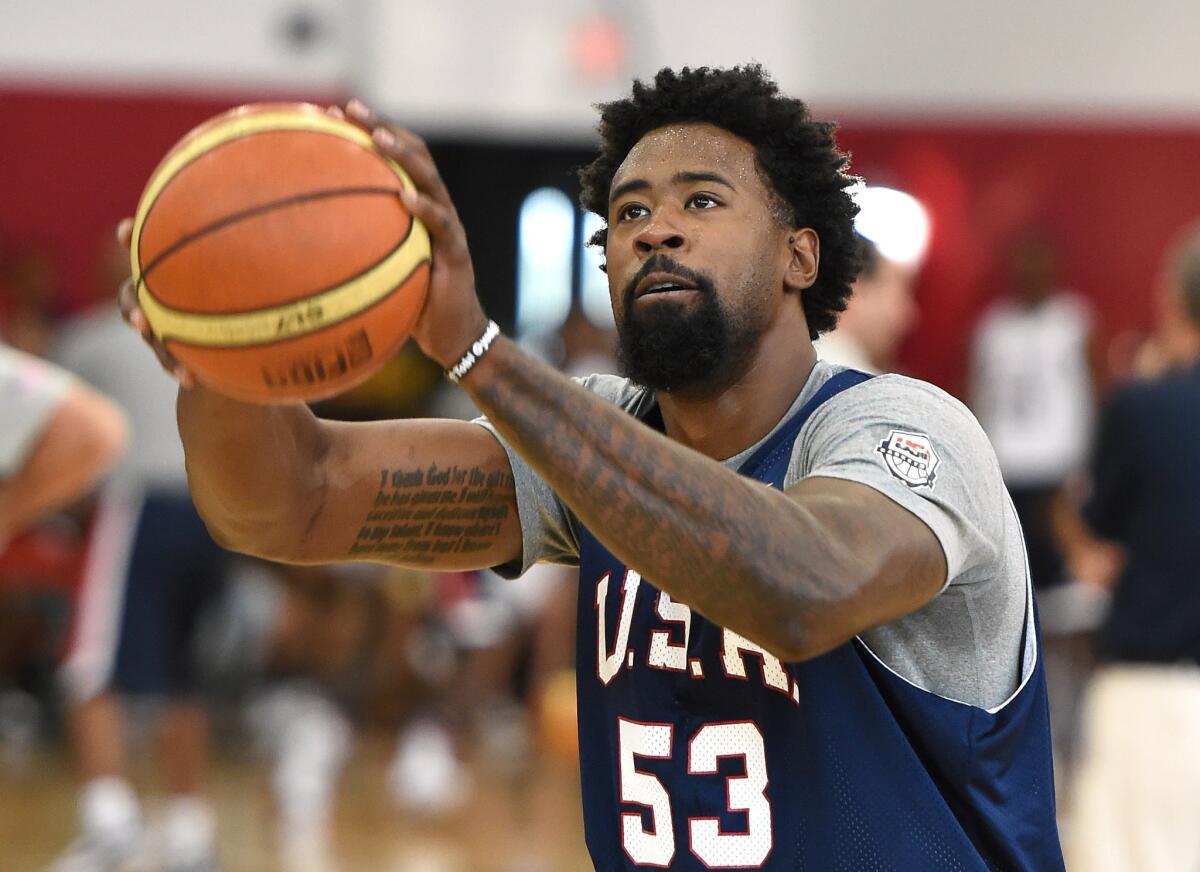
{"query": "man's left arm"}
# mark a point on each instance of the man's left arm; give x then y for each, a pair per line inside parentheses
(797, 572)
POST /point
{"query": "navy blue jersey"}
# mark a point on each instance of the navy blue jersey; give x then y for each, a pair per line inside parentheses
(700, 750)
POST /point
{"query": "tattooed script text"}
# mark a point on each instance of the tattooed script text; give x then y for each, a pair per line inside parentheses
(419, 513)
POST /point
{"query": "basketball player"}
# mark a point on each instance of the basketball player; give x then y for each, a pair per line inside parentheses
(1034, 362)
(806, 637)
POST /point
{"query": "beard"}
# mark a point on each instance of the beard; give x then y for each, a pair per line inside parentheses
(693, 347)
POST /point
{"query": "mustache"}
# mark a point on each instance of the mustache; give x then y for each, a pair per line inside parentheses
(664, 263)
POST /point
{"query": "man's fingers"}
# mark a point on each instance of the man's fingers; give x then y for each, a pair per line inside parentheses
(358, 112)
(169, 363)
(136, 318)
(127, 301)
(440, 221)
(410, 151)
(402, 146)
(125, 232)
(184, 377)
(132, 312)
(174, 368)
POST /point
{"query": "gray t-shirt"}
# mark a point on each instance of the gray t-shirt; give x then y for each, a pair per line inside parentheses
(99, 348)
(920, 447)
(30, 390)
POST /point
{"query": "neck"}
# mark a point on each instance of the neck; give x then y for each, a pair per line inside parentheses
(722, 424)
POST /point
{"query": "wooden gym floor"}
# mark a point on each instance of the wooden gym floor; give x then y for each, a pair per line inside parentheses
(525, 822)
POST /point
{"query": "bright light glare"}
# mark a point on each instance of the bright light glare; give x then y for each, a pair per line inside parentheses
(895, 221)
(545, 236)
(594, 291)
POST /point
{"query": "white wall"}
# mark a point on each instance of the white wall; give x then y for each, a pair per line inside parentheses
(513, 69)
(1042, 56)
(509, 68)
(174, 43)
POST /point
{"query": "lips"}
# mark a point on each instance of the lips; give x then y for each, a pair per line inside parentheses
(660, 282)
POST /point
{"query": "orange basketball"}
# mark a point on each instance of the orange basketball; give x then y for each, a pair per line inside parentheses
(273, 257)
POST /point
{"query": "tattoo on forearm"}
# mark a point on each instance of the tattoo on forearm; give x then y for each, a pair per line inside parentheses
(420, 513)
(671, 515)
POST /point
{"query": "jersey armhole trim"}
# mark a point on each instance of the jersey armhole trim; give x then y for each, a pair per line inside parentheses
(1029, 651)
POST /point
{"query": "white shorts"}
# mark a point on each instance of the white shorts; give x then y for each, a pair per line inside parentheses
(1135, 801)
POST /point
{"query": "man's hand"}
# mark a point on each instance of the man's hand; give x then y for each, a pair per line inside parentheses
(452, 317)
(275, 481)
(136, 318)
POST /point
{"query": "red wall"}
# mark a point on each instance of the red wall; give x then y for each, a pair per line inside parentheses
(73, 163)
(1110, 196)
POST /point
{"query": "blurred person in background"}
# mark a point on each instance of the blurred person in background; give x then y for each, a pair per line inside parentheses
(1136, 797)
(319, 656)
(306, 654)
(1032, 387)
(151, 568)
(57, 437)
(893, 230)
(879, 314)
(1032, 383)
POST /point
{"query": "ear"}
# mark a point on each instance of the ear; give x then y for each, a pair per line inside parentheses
(804, 255)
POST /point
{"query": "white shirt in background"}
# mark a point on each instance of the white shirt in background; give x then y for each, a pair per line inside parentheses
(1031, 386)
(841, 348)
(100, 348)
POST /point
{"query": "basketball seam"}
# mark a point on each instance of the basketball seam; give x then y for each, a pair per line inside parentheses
(422, 263)
(217, 313)
(142, 220)
(344, 306)
(349, 296)
(246, 214)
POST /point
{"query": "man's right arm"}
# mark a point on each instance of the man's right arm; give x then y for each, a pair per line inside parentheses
(280, 483)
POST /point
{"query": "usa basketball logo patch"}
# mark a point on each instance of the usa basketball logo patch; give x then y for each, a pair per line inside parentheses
(910, 457)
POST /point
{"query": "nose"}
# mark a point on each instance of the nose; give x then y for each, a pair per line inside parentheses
(658, 233)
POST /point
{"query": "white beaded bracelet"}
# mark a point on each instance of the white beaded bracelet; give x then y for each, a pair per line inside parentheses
(478, 348)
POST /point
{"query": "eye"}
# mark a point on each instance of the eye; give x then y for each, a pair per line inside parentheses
(703, 201)
(631, 212)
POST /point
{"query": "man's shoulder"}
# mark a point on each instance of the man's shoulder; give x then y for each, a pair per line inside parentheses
(617, 390)
(890, 392)
(873, 420)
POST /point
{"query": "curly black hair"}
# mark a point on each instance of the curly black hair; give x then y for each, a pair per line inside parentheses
(797, 157)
